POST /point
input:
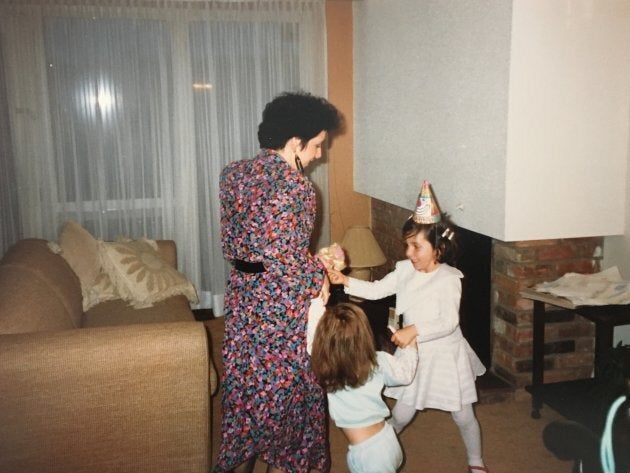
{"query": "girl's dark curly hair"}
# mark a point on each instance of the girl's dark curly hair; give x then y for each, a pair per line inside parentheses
(296, 114)
(442, 236)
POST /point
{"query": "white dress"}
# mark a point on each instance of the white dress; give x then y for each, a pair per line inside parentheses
(447, 366)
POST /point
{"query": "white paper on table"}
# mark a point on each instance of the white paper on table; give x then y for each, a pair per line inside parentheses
(603, 288)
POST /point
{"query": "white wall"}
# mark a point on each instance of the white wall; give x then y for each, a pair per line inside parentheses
(617, 248)
(617, 253)
(431, 86)
(568, 119)
(517, 112)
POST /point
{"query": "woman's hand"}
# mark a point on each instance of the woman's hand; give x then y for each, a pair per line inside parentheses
(405, 336)
(337, 277)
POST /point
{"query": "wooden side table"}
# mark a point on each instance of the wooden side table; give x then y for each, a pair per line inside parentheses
(605, 318)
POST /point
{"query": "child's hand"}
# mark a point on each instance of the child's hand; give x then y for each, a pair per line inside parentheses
(337, 277)
(325, 291)
(405, 337)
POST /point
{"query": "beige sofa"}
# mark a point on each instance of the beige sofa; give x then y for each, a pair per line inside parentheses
(110, 389)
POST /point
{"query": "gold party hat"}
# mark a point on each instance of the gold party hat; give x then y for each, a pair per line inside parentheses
(427, 210)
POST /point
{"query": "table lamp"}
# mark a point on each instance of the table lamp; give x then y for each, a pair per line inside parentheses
(363, 251)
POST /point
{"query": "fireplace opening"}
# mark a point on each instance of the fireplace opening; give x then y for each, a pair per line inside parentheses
(475, 256)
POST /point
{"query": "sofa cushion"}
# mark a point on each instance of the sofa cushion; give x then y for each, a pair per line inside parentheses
(140, 275)
(119, 312)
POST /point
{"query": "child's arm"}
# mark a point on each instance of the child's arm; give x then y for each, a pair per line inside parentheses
(399, 369)
(324, 293)
(371, 290)
(405, 337)
(444, 321)
(316, 310)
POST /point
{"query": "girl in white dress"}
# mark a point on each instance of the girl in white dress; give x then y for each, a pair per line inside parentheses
(428, 292)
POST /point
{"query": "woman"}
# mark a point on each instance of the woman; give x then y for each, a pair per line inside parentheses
(273, 408)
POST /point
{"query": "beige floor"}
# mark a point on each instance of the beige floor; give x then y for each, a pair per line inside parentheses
(512, 440)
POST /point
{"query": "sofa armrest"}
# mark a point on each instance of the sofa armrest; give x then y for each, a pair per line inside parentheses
(130, 398)
(168, 251)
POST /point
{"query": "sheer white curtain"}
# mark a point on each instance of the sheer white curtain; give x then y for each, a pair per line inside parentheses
(122, 116)
(9, 215)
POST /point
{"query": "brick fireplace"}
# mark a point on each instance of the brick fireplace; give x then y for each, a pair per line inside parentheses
(512, 266)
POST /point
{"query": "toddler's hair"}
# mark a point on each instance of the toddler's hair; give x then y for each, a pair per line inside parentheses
(442, 236)
(343, 353)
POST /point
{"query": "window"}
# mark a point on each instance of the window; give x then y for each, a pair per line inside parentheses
(122, 117)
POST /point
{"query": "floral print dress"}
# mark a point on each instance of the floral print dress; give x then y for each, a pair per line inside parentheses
(272, 406)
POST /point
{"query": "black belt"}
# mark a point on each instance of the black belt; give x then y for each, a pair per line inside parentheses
(248, 267)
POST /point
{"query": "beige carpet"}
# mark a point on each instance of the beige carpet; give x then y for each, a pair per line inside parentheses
(512, 440)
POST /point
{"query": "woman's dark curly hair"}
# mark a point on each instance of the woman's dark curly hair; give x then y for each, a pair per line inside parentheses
(296, 114)
(442, 236)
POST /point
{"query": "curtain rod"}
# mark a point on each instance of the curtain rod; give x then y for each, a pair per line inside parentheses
(156, 3)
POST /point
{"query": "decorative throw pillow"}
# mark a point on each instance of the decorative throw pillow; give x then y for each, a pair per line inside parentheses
(101, 290)
(81, 250)
(140, 275)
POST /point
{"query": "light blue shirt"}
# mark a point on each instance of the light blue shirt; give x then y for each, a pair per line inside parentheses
(364, 406)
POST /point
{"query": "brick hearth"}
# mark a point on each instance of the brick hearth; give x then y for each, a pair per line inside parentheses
(569, 339)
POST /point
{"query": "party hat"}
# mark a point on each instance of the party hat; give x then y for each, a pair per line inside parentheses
(427, 210)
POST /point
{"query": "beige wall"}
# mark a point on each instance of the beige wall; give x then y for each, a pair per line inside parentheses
(346, 206)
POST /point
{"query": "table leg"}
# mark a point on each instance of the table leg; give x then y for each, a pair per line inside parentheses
(538, 358)
(604, 333)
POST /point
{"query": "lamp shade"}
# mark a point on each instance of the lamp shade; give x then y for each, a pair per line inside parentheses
(361, 247)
